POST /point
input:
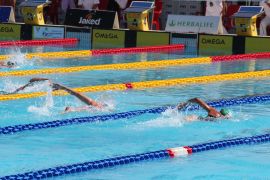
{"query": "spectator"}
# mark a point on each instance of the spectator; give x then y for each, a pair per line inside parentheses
(67, 4)
(88, 4)
(266, 21)
(8, 3)
(216, 8)
(53, 11)
(118, 6)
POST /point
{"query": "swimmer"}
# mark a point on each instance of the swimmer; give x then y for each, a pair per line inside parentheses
(212, 112)
(88, 101)
(8, 64)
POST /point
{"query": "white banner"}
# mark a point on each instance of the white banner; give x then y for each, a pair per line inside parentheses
(43, 32)
(194, 24)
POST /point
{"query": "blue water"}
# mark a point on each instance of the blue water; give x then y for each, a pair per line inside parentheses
(34, 150)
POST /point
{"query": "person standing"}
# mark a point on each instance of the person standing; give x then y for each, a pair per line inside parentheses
(265, 23)
(216, 8)
(53, 11)
(88, 4)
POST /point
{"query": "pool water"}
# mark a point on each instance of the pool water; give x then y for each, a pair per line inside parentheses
(39, 149)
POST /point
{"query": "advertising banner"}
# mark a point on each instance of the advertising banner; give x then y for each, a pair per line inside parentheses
(257, 44)
(48, 32)
(92, 18)
(108, 39)
(194, 24)
(152, 38)
(10, 32)
(215, 44)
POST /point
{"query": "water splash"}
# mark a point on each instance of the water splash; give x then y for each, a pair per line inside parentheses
(46, 108)
(169, 118)
(18, 58)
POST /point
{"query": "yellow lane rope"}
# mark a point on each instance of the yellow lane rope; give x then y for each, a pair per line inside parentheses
(148, 84)
(53, 55)
(123, 66)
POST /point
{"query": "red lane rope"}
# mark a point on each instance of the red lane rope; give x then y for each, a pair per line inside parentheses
(241, 57)
(66, 41)
(138, 49)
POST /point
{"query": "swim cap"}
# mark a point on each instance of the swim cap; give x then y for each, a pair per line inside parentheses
(9, 63)
(224, 112)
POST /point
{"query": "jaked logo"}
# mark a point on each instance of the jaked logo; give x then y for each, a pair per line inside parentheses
(88, 20)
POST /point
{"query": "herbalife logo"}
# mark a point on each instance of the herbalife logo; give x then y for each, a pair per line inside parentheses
(172, 23)
(88, 20)
(186, 23)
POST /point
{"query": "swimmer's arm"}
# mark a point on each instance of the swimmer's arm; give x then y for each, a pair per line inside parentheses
(203, 104)
(30, 83)
(80, 96)
(211, 111)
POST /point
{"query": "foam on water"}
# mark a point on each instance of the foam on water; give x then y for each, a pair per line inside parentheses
(169, 118)
(46, 108)
(19, 59)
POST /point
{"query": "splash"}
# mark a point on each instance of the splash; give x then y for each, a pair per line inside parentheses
(45, 109)
(169, 118)
(18, 58)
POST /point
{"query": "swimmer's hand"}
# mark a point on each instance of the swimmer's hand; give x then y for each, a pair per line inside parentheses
(182, 105)
(38, 79)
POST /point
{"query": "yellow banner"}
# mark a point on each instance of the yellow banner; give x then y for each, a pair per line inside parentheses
(152, 38)
(257, 44)
(108, 39)
(215, 45)
(10, 32)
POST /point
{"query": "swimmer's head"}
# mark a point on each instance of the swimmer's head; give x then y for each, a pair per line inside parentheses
(9, 63)
(224, 112)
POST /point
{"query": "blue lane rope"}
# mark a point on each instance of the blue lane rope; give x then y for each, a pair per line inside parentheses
(123, 160)
(157, 110)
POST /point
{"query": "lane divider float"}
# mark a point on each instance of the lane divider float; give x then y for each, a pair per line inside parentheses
(45, 42)
(147, 84)
(176, 152)
(249, 99)
(87, 53)
(123, 66)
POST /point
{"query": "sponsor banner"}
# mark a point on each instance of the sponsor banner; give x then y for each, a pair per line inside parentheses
(92, 18)
(10, 32)
(152, 38)
(48, 32)
(194, 24)
(215, 44)
(257, 44)
(108, 39)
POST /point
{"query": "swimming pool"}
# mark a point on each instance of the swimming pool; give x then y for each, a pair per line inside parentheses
(40, 149)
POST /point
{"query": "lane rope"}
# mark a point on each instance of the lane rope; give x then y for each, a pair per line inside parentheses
(249, 99)
(175, 152)
(147, 84)
(123, 66)
(66, 41)
(87, 53)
